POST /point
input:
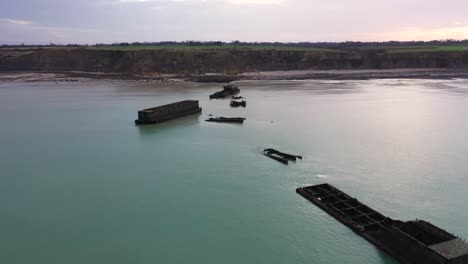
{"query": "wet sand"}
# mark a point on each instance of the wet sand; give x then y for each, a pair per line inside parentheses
(429, 73)
(359, 74)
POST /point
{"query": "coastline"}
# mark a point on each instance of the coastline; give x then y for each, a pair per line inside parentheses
(405, 73)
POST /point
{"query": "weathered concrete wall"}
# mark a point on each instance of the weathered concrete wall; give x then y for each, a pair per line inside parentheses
(408, 247)
(167, 112)
(459, 260)
(431, 232)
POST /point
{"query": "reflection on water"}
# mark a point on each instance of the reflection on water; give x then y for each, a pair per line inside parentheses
(316, 87)
(170, 126)
(456, 87)
(332, 88)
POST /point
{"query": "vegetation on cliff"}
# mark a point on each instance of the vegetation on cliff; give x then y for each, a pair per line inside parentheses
(342, 46)
(188, 59)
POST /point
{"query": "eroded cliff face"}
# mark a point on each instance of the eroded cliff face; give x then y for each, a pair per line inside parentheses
(218, 61)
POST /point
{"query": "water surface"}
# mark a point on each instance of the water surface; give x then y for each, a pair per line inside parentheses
(80, 183)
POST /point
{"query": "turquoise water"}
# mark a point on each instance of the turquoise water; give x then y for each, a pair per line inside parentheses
(80, 183)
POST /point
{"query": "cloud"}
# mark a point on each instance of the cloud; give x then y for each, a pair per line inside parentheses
(70, 21)
(254, 2)
(132, 1)
(15, 21)
(165, 2)
(20, 31)
(412, 33)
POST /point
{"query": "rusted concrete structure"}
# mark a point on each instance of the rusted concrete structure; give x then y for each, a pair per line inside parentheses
(411, 242)
(280, 156)
(238, 103)
(228, 90)
(167, 112)
(222, 119)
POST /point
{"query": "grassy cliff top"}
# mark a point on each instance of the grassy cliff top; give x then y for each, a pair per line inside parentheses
(411, 49)
(223, 47)
(207, 48)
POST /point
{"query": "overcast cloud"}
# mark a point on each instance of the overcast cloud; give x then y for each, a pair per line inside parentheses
(106, 21)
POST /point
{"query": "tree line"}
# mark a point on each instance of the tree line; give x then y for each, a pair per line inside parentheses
(325, 45)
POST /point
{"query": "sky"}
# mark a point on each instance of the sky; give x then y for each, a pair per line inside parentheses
(110, 21)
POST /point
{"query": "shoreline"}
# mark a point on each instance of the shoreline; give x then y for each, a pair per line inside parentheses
(409, 73)
(221, 78)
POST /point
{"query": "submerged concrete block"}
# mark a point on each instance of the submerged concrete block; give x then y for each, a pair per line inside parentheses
(167, 112)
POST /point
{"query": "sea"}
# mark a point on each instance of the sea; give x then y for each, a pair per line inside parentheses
(81, 183)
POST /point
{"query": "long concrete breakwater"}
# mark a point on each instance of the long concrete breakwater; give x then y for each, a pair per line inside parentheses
(410, 242)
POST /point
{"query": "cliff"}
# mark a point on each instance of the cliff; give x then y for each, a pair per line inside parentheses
(218, 61)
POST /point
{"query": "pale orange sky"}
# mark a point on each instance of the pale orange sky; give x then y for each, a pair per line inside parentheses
(92, 21)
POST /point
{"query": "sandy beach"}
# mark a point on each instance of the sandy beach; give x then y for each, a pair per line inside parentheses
(429, 73)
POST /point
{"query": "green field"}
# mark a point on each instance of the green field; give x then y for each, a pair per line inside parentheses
(224, 47)
(410, 49)
(378, 49)
(389, 49)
